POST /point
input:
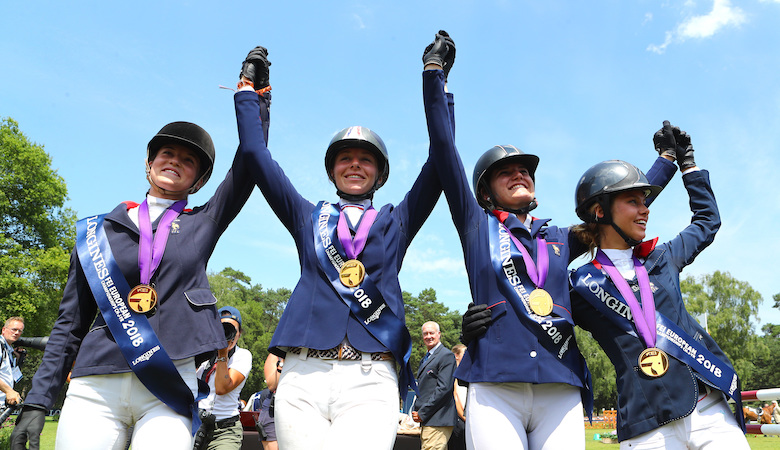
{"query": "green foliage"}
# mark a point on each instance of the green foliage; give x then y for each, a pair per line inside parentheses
(424, 308)
(765, 374)
(37, 236)
(32, 194)
(729, 306)
(601, 369)
(260, 312)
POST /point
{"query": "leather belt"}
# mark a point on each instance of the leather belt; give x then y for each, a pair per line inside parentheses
(342, 352)
(226, 423)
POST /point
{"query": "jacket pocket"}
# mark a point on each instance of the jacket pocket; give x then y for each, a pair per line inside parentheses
(200, 297)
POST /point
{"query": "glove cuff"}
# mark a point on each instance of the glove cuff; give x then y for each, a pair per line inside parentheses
(262, 91)
(687, 164)
(668, 152)
(433, 59)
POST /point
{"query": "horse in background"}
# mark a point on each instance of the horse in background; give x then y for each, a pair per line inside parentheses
(758, 414)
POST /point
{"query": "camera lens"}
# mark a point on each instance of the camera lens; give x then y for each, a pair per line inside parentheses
(230, 331)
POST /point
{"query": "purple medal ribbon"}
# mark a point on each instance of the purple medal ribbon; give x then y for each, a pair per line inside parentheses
(537, 274)
(150, 253)
(644, 314)
(354, 247)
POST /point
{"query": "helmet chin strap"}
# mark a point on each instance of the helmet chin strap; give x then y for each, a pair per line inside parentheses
(522, 211)
(356, 198)
(607, 219)
(629, 240)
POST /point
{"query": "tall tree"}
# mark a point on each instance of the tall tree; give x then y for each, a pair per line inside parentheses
(730, 306)
(766, 375)
(424, 308)
(601, 370)
(37, 234)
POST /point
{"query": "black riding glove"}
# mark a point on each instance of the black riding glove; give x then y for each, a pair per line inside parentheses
(435, 51)
(29, 425)
(255, 67)
(449, 58)
(664, 140)
(475, 322)
(684, 151)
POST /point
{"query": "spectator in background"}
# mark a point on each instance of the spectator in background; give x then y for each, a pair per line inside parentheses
(10, 363)
(9, 369)
(265, 422)
(435, 406)
(458, 438)
(225, 374)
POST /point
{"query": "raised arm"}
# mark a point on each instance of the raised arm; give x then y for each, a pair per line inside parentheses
(438, 61)
(706, 218)
(266, 173)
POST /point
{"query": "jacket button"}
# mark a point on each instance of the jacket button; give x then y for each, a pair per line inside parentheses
(533, 354)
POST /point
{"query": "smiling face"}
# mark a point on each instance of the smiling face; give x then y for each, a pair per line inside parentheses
(354, 170)
(431, 334)
(173, 171)
(511, 185)
(630, 214)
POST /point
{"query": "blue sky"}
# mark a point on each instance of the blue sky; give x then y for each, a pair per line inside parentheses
(573, 82)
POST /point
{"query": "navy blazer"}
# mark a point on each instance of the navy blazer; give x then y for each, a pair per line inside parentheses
(186, 320)
(645, 403)
(315, 316)
(436, 402)
(508, 351)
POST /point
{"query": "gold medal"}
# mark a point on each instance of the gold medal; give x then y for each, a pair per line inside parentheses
(142, 298)
(540, 302)
(352, 273)
(653, 362)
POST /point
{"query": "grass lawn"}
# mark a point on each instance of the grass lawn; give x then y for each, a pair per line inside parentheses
(757, 442)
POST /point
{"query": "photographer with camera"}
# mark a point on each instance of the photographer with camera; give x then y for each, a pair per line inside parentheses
(10, 372)
(225, 374)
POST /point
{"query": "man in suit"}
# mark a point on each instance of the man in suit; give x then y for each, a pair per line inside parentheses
(435, 407)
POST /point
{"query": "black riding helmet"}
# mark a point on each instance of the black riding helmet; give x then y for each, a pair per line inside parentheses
(191, 136)
(359, 137)
(494, 156)
(600, 183)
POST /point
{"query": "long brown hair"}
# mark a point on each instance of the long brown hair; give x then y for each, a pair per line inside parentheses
(588, 233)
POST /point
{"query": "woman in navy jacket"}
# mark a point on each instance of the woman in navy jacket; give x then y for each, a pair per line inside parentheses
(106, 397)
(526, 368)
(671, 375)
(343, 328)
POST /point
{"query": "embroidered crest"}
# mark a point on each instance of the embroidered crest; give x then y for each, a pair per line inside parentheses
(175, 227)
(556, 250)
